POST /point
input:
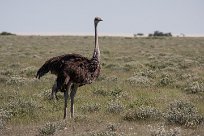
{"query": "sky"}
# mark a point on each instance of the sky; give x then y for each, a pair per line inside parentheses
(120, 16)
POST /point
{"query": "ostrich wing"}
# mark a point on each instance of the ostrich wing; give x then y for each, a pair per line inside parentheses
(56, 64)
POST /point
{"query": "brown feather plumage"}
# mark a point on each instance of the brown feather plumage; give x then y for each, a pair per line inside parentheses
(81, 70)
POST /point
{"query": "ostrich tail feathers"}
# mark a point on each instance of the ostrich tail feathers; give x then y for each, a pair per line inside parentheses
(43, 70)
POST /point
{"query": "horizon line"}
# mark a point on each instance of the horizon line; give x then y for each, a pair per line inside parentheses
(101, 34)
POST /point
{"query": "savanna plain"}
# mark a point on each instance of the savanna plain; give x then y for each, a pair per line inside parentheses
(148, 86)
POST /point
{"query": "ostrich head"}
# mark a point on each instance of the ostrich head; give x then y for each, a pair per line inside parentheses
(97, 19)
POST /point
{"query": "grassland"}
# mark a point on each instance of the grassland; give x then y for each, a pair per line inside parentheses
(147, 86)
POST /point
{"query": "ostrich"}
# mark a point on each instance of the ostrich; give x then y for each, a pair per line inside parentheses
(72, 71)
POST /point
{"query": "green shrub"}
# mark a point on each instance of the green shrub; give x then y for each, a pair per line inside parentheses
(50, 128)
(161, 131)
(109, 131)
(141, 101)
(45, 94)
(116, 92)
(5, 115)
(187, 63)
(112, 78)
(6, 33)
(47, 129)
(194, 87)
(3, 79)
(147, 73)
(100, 91)
(29, 71)
(104, 133)
(143, 113)
(183, 113)
(156, 64)
(115, 106)
(22, 107)
(81, 118)
(139, 81)
(7, 72)
(16, 80)
(165, 80)
(91, 107)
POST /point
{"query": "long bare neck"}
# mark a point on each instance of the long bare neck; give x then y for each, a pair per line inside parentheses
(96, 54)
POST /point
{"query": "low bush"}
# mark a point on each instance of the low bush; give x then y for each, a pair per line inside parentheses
(183, 113)
(7, 72)
(29, 71)
(161, 131)
(91, 107)
(104, 133)
(139, 81)
(47, 129)
(5, 115)
(194, 87)
(115, 106)
(115, 92)
(143, 113)
(15, 80)
(50, 128)
(110, 130)
(148, 73)
(6, 33)
(22, 107)
(141, 101)
(45, 94)
(100, 91)
(165, 80)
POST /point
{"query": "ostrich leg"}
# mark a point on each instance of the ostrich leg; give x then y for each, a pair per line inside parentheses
(55, 88)
(66, 99)
(72, 95)
(58, 85)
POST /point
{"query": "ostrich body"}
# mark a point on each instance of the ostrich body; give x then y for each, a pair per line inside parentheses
(72, 71)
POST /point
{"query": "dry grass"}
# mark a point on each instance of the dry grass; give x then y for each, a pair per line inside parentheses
(142, 76)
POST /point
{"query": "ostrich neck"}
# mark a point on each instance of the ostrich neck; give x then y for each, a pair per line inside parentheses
(96, 54)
